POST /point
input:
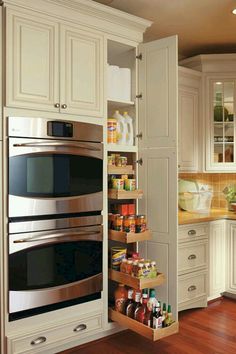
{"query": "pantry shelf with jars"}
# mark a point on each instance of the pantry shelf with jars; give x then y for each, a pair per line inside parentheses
(134, 282)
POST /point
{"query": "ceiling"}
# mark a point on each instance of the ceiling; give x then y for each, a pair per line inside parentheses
(203, 26)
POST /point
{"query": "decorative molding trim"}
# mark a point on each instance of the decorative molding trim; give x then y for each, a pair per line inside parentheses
(91, 14)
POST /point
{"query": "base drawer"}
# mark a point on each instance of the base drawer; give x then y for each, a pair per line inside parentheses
(192, 232)
(192, 286)
(39, 341)
(192, 256)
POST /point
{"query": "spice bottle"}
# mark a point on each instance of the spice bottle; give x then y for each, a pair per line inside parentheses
(141, 311)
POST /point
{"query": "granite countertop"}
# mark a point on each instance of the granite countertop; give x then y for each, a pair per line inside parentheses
(186, 217)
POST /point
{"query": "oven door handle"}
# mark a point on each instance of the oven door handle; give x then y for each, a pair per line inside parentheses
(59, 144)
(90, 235)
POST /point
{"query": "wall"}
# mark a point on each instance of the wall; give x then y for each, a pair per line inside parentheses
(218, 181)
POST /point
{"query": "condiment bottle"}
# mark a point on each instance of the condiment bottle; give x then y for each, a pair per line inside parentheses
(136, 304)
(157, 319)
(140, 312)
(123, 265)
(129, 304)
(120, 298)
(129, 266)
(152, 301)
(164, 314)
(169, 318)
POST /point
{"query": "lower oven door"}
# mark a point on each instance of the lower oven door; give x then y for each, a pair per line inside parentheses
(50, 267)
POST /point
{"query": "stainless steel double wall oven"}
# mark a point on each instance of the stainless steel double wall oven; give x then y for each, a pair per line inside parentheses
(55, 203)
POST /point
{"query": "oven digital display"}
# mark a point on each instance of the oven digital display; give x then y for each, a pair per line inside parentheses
(60, 129)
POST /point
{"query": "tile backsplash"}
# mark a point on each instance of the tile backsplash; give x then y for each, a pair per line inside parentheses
(217, 181)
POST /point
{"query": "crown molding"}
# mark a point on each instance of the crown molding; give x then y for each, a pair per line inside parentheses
(90, 13)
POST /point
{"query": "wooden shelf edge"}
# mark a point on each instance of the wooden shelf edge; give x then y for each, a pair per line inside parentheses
(143, 330)
(126, 170)
(129, 237)
(135, 282)
(122, 194)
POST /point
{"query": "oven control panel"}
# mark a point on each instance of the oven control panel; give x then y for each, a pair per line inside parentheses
(60, 129)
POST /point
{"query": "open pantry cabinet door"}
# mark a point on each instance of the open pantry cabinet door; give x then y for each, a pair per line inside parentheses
(158, 83)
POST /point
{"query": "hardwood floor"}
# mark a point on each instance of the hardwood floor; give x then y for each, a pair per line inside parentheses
(202, 331)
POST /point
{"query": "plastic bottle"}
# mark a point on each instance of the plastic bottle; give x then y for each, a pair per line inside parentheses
(121, 128)
(152, 301)
(130, 129)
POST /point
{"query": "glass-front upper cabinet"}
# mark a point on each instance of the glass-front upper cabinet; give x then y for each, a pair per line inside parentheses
(220, 137)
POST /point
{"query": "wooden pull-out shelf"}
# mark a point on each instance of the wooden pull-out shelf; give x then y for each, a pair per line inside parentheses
(143, 330)
(129, 237)
(122, 194)
(115, 170)
(134, 282)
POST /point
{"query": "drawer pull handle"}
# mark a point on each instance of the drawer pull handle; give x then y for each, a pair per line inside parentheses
(192, 256)
(39, 340)
(192, 288)
(80, 328)
(192, 232)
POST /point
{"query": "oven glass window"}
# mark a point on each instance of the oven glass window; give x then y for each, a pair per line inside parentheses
(54, 265)
(55, 175)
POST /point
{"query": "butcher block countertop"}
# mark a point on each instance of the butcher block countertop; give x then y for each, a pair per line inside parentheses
(186, 217)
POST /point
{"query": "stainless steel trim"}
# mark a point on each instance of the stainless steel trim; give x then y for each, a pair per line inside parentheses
(80, 327)
(25, 300)
(53, 224)
(38, 340)
(19, 146)
(20, 206)
(35, 127)
(68, 144)
(19, 242)
(192, 256)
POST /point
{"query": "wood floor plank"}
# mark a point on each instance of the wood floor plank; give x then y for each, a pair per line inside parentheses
(202, 331)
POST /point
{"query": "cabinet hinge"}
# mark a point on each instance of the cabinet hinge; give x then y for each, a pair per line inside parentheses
(139, 57)
(140, 161)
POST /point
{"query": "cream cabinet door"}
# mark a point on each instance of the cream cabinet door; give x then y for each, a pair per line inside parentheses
(32, 75)
(189, 122)
(231, 257)
(81, 75)
(216, 259)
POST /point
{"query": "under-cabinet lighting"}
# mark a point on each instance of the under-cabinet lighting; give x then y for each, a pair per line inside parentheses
(218, 83)
(234, 11)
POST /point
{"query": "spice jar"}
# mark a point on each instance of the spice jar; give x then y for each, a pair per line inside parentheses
(123, 265)
(146, 269)
(135, 268)
(129, 266)
(153, 271)
(130, 184)
(117, 183)
(121, 161)
(140, 270)
(117, 254)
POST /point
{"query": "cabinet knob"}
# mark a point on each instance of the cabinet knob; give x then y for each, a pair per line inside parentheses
(80, 328)
(139, 135)
(38, 340)
(192, 232)
(192, 288)
(57, 105)
(64, 106)
(192, 256)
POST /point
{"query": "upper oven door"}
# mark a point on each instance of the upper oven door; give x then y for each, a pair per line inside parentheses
(54, 176)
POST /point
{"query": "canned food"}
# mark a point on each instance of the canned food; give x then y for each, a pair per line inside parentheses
(118, 223)
(117, 183)
(130, 184)
(141, 224)
(111, 160)
(121, 161)
(129, 223)
(111, 130)
(117, 254)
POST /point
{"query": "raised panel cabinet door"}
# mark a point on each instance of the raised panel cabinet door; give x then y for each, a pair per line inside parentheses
(81, 76)
(158, 180)
(32, 76)
(231, 245)
(217, 265)
(158, 85)
(188, 130)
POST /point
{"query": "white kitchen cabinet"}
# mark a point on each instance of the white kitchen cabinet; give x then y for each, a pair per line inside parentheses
(218, 108)
(217, 259)
(189, 145)
(192, 266)
(231, 257)
(53, 66)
